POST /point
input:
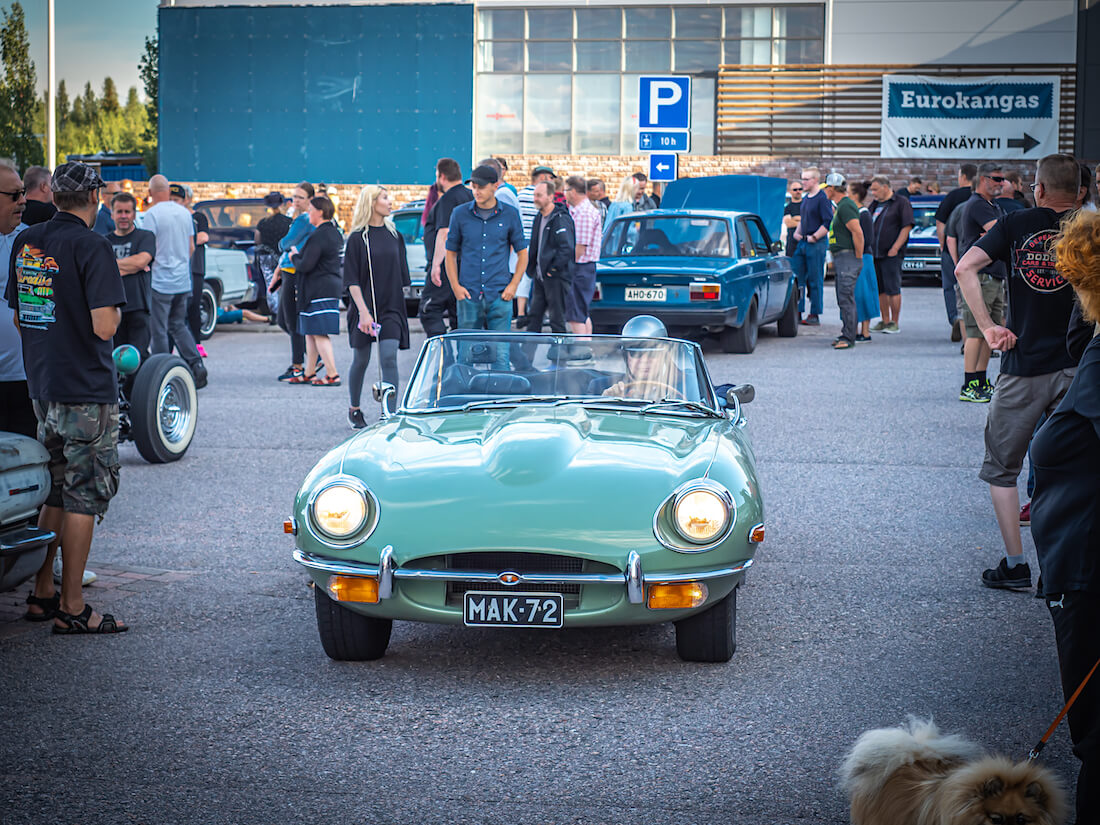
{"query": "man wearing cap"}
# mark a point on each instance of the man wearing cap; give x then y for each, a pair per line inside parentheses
(174, 229)
(66, 291)
(483, 233)
(846, 244)
(181, 193)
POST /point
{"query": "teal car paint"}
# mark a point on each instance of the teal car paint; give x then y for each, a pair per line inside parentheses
(708, 262)
(472, 480)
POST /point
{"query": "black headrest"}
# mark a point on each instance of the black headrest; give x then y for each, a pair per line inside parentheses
(500, 383)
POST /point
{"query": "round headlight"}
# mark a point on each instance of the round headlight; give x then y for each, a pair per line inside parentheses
(700, 515)
(339, 511)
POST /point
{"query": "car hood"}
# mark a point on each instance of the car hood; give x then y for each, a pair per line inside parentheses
(530, 477)
(664, 265)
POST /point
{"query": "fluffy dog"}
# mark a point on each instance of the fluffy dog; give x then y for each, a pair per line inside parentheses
(914, 775)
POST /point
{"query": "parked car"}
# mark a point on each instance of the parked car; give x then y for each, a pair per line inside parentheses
(922, 252)
(24, 486)
(407, 221)
(230, 278)
(705, 263)
(537, 481)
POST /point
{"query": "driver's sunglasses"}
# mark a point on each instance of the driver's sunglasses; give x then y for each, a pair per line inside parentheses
(16, 195)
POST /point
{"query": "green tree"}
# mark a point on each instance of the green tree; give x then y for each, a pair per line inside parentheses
(62, 105)
(149, 69)
(91, 105)
(18, 99)
(110, 96)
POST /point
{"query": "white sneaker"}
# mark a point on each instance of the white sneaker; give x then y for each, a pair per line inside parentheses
(89, 576)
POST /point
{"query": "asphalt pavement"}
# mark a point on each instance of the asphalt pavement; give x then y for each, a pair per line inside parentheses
(219, 705)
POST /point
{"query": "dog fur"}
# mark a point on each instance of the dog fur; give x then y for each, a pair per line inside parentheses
(914, 775)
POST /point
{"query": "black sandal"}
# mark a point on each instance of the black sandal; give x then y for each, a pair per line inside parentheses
(49, 607)
(79, 624)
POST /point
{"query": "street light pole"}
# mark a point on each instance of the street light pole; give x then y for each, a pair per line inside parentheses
(51, 92)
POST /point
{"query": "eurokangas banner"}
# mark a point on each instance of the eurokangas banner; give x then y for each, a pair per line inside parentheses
(974, 118)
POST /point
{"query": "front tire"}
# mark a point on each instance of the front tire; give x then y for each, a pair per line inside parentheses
(742, 339)
(348, 636)
(709, 636)
(208, 311)
(787, 325)
(164, 408)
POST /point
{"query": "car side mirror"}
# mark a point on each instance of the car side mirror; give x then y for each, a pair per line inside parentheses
(382, 390)
(741, 394)
(777, 247)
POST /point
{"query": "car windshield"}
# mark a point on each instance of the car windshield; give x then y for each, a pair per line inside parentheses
(408, 224)
(668, 235)
(229, 215)
(924, 221)
(473, 369)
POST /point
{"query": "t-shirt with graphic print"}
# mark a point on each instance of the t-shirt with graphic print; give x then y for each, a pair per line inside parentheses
(60, 271)
(1040, 300)
(138, 286)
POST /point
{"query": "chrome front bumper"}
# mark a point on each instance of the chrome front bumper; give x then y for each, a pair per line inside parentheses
(634, 579)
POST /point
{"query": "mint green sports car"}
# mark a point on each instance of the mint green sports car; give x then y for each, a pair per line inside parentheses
(537, 481)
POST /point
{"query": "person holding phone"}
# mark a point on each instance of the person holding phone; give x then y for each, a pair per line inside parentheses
(375, 271)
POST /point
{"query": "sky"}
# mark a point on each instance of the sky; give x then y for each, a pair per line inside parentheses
(94, 39)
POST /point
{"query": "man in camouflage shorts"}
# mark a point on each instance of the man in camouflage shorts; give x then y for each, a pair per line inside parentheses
(66, 291)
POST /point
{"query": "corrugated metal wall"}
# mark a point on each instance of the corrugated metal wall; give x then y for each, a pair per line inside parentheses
(325, 93)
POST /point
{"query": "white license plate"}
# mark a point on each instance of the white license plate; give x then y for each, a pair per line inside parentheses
(499, 609)
(642, 293)
(913, 264)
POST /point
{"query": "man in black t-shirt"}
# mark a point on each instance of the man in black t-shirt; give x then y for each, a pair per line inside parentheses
(792, 213)
(951, 201)
(66, 290)
(1036, 368)
(135, 250)
(40, 205)
(438, 300)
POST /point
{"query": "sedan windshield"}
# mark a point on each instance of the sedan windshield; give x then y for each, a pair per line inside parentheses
(668, 235)
(485, 369)
(924, 221)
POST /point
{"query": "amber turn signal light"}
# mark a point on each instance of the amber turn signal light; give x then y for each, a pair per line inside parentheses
(289, 526)
(756, 534)
(673, 596)
(353, 589)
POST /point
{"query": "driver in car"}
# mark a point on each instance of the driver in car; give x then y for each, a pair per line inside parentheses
(651, 371)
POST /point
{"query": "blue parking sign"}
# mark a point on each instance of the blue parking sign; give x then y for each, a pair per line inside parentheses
(664, 102)
(662, 168)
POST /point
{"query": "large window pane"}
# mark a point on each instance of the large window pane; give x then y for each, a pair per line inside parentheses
(549, 57)
(647, 56)
(629, 121)
(599, 24)
(500, 56)
(749, 52)
(749, 21)
(800, 21)
(550, 24)
(799, 51)
(702, 115)
(548, 115)
(649, 24)
(499, 114)
(596, 114)
(699, 22)
(599, 56)
(697, 55)
(503, 24)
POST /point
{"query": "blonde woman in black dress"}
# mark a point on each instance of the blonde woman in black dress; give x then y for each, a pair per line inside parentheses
(375, 272)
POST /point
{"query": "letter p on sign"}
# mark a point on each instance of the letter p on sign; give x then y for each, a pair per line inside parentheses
(664, 102)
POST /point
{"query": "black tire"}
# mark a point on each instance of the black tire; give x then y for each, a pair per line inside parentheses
(787, 325)
(208, 310)
(742, 339)
(347, 636)
(709, 636)
(163, 408)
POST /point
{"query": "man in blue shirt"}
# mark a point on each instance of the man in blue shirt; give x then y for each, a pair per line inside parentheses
(812, 235)
(480, 237)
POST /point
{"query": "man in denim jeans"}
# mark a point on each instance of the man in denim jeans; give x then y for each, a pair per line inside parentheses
(480, 237)
(812, 234)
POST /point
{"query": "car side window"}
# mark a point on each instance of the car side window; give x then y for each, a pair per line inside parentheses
(758, 236)
(744, 242)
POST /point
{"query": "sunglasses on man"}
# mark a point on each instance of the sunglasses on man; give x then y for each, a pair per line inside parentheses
(16, 195)
(995, 178)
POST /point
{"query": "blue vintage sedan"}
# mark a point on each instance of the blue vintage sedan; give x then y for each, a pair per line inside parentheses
(705, 263)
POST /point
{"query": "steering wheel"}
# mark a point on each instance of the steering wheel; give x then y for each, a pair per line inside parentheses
(669, 390)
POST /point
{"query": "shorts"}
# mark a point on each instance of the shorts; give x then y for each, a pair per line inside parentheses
(82, 440)
(1017, 405)
(888, 274)
(579, 297)
(993, 296)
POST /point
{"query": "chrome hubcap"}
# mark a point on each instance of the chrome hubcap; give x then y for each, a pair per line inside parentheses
(174, 408)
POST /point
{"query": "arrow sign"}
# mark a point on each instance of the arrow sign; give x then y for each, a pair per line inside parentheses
(1027, 143)
(662, 167)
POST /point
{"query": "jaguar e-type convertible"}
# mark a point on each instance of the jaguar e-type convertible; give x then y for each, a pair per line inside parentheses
(538, 481)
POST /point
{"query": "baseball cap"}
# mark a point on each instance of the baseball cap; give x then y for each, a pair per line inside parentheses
(483, 175)
(538, 170)
(177, 190)
(75, 177)
(274, 199)
(834, 179)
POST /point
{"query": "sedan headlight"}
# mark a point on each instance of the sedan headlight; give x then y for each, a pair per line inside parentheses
(340, 510)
